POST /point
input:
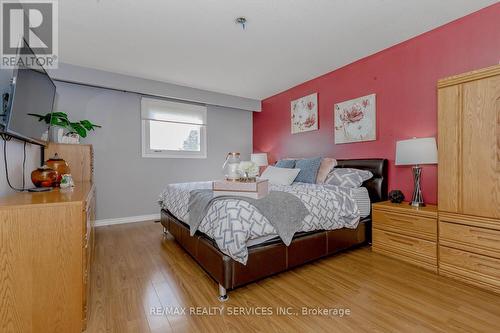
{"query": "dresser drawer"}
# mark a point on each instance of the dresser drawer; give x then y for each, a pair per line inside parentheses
(411, 225)
(470, 267)
(470, 238)
(413, 250)
(85, 299)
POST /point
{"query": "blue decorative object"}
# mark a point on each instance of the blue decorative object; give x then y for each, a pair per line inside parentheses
(288, 164)
(308, 170)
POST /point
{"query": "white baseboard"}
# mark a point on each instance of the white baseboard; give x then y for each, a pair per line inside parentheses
(129, 219)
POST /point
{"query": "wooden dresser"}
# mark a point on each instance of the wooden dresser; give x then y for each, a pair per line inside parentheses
(469, 177)
(406, 233)
(80, 158)
(46, 243)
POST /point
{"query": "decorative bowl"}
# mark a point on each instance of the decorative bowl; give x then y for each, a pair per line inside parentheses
(59, 166)
(44, 177)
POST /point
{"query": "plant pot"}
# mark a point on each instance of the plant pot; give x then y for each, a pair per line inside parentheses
(72, 138)
(56, 134)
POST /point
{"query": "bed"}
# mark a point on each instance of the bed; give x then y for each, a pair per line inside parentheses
(269, 255)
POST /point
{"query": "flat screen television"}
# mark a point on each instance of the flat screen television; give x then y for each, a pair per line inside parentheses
(32, 91)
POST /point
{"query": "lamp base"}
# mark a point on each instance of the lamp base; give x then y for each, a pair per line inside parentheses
(417, 200)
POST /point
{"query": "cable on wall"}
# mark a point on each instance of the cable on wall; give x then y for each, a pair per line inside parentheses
(5, 139)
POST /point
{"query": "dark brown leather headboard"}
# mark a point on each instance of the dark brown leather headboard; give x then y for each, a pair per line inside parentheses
(377, 186)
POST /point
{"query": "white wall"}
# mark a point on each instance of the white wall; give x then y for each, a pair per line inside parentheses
(127, 184)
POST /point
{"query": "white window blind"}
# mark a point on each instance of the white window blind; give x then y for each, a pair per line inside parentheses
(173, 129)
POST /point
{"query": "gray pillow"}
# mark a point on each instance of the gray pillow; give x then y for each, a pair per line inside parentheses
(289, 164)
(348, 177)
(308, 170)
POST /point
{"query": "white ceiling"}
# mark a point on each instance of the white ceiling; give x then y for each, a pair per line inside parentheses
(196, 42)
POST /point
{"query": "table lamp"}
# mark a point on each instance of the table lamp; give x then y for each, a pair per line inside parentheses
(416, 152)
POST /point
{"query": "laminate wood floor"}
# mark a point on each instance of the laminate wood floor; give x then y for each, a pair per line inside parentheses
(136, 270)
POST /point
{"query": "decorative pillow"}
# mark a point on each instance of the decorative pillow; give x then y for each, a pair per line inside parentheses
(280, 176)
(326, 166)
(308, 170)
(289, 164)
(348, 177)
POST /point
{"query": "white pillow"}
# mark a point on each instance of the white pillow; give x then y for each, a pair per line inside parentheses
(280, 176)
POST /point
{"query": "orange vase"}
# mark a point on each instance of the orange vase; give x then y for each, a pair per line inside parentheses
(44, 177)
(59, 166)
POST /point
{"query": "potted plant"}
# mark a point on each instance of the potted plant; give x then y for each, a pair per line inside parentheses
(60, 120)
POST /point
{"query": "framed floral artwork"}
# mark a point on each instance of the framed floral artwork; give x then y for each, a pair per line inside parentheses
(304, 113)
(355, 120)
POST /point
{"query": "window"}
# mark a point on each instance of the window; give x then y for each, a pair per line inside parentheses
(173, 129)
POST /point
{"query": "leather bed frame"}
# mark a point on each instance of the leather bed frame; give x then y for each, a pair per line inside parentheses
(273, 256)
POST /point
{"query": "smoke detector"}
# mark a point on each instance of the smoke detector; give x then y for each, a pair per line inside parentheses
(241, 20)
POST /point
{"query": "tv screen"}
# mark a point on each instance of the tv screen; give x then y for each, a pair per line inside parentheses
(33, 91)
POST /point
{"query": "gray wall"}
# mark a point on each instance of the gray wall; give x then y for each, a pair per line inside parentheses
(15, 152)
(99, 78)
(127, 184)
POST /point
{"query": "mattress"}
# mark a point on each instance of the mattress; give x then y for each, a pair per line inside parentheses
(362, 198)
(359, 195)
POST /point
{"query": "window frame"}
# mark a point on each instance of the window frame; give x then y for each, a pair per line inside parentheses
(153, 153)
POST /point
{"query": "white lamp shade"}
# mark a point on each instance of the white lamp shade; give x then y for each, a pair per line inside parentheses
(260, 159)
(416, 151)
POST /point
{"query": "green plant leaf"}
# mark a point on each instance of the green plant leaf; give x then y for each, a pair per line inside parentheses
(78, 128)
(40, 117)
(61, 119)
(61, 123)
(88, 125)
(59, 115)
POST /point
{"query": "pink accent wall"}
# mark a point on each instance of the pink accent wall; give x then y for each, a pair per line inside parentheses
(404, 78)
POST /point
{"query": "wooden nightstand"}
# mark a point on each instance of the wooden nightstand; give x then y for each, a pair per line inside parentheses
(406, 233)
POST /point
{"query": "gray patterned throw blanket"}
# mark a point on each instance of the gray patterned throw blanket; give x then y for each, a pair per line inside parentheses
(284, 211)
(233, 222)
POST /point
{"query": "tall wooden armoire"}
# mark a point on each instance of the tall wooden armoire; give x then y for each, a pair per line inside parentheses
(469, 177)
